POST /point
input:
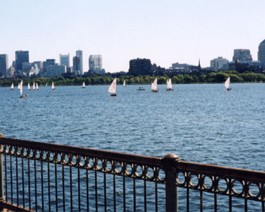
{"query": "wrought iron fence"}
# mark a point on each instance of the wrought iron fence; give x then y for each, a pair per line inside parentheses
(38, 176)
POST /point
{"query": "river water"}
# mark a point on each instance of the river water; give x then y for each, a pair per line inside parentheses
(200, 122)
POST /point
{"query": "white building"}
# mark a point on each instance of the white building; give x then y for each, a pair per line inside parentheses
(219, 63)
(95, 64)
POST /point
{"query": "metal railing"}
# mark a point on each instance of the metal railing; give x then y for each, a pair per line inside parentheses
(38, 176)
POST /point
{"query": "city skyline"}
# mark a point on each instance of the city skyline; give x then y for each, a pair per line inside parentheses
(167, 32)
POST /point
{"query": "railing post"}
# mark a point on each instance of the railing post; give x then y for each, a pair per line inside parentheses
(169, 165)
(1, 178)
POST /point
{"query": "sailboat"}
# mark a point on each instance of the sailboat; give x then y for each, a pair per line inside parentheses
(124, 83)
(28, 86)
(23, 96)
(112, 88)
(53, 87)
(37, 86)
(227, 84)
(83, 85)
(12, 86)
(154, 87)
(33, 86)
(169, 85)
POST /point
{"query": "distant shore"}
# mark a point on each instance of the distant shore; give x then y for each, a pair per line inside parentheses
(212, 77)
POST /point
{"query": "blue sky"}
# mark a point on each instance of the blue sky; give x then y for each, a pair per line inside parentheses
(165, 31)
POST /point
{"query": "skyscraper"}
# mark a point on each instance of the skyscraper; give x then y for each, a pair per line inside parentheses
(242, 55)
(261, 53)
(65, 60)
(79, 54)
(95, 64)
(21, 57)
(3, 64)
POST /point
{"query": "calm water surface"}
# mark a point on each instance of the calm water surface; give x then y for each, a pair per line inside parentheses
(201, 123)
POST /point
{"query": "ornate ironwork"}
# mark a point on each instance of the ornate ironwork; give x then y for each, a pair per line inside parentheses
(169, 171)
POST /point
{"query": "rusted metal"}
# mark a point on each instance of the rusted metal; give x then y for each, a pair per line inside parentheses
(52, 177)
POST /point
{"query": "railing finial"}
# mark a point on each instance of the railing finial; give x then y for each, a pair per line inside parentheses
(171, 156)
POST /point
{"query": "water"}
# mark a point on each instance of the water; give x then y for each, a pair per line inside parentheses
(201, 122)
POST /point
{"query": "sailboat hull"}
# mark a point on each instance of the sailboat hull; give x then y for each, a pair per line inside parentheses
(113, 94)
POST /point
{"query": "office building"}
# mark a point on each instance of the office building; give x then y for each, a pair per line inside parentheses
(3, 64)
(219, 63)
(76, 65)
(65, 60)
(242, 55)
(55, 70)
(21, 57)
(261, 53)
(95, 64)
(79, 68)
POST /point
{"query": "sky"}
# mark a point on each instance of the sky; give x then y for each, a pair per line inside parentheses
(164, 31)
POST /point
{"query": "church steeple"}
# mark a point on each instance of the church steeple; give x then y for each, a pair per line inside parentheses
(199, 65)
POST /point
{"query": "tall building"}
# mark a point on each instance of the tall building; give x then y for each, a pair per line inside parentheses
(261, 53)
(21, 57)
(219, 63)
(95, 64)
(242, 55)
(79, 54)
(76, 65)
(3, 64)
(65, 60)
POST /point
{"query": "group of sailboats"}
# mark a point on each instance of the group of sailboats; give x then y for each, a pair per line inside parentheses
(35, 86)
(112, 88)
(154, 87)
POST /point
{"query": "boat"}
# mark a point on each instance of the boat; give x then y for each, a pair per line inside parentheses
(53, 87)
(169, 85)
(33, 86)
(227, 84)
(12, 86)
(141, 88)
(28, 86)
(154, 87)
(37, 86)
(112, 88)
(22, 96)
(124, 83)
(84, 85)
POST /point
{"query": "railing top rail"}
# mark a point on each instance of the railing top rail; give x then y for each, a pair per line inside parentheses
(221, 171)
(182, 166)
(104, 154)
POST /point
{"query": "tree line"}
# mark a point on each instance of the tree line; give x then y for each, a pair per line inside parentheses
(212, 77)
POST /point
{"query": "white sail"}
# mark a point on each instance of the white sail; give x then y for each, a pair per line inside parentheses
(154, 87)
(83, 85)
(169, 84)
(124, 83)
(28, 86)
(112, 87)
(37, 86)
(53, 87)
(12, 86)
(227, 84)
(33, 86)
(21, 87)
